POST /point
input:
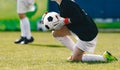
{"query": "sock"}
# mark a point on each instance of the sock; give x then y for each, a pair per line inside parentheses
(22, 27)
(25, 25)
(67, 41)
(92, 57)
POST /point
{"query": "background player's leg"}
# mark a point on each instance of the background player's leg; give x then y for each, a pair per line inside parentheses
(26, 27)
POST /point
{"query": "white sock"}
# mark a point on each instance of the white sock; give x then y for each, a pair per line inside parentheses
(22, 27)
(67, 41)
(25, 28)
(92, 57)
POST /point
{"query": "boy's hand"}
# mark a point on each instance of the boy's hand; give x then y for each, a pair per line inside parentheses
(62, 21)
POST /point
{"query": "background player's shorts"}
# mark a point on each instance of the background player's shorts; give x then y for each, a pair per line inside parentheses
(87, 46)
(24, 6)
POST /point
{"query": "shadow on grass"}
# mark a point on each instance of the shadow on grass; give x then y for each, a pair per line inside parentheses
(92, 62)
(47, 45)
(97, 62)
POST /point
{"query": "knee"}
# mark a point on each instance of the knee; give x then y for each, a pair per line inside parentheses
(57, 34)
(53, 33)
(21, 16)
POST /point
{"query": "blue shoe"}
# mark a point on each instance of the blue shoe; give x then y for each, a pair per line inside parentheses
(109, 56)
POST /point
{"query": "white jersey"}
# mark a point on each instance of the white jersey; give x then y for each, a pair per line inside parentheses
(24, 6)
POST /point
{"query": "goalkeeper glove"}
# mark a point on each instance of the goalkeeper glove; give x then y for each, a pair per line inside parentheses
(62, 21)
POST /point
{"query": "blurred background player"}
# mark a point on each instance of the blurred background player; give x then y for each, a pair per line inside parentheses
(24, 6)
(74, 21)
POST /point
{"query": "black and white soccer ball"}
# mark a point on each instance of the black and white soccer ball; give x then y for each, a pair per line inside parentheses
(50, 20)
(41, 26)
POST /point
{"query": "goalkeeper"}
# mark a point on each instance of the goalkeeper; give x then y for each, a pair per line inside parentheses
(74, 21)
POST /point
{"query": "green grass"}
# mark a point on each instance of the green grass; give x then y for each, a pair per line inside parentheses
(46, 53)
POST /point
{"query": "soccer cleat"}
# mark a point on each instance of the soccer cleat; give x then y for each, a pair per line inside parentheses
(109, 56)
(20, 40)
(24, 40)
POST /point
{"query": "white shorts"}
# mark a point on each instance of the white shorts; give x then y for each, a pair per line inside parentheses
(87, 46)
(24, 6)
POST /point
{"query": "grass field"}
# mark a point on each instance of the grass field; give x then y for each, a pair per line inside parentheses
(46, 53)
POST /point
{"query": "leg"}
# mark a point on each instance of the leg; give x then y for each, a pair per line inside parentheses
(62, 36)
(81, 47)
(79, 55)
(23, 18)
(25, 26)
(26, 36)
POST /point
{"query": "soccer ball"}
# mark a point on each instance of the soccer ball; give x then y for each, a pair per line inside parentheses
(50, 20)
(41, 26)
